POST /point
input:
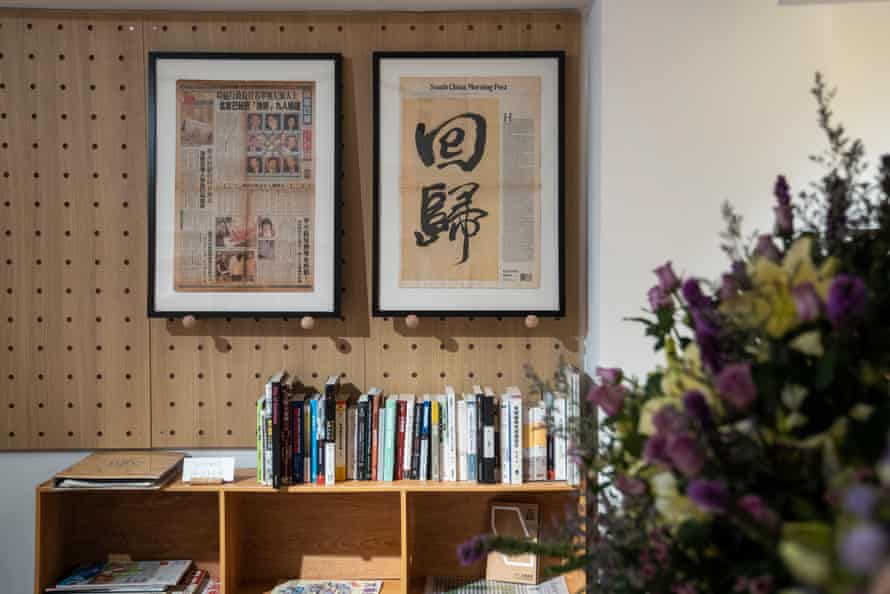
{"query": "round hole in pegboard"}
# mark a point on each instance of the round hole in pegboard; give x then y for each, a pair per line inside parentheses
(500, 374)
(69, 319)
(172, 376)
(172, 404)
(500, 27)
(120, 58)
(228, 431)
(173, 432)
(281, 28)
(33, 116)
(40, 346)
(64, 116)
(127, 376)
(70, 405)
(200, 403)
(385, 374)
(257, 375)
(200, 432)
(98, 405)
(229, 404)
(383, 27)
(528, 27)
(314, 347)
(528, 346)
(30, 56)
(556, 346)
(123, 87)
(385, 346)
(71, 434)
(91, 57)
(256, 347)
(228, 375)
(442, 346)
(92, 115)
(471, 346)
(441, 27)
(171, 348)
(127, 347)
(128, 433)
(70, 376)
(98, 376)
(39, 405)
(413, 374)
(126, 262)
(12, 433)
(194, 28)
(98, 434)
(10, 377)
(470, 27)
(123, 147)
(228, 348)
(314, 375)
(252, 28)
(40, 376)
(11, 405)
(200, 347)
(339, 27)
(128, 404)
(164, 27)
(413, 346)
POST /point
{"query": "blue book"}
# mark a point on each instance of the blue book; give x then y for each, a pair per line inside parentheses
(472, 446)
(313, 441)
(297, 428)
(425, 422)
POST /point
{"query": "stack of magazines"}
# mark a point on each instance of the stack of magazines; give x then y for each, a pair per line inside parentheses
(137, 577)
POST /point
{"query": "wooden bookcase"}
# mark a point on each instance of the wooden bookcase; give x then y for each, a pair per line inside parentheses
(253, 537)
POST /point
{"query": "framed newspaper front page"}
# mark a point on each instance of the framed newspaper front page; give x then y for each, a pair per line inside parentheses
(244, 191)
(468, 192)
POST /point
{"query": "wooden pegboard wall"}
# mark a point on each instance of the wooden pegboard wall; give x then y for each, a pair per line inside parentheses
(83, 366)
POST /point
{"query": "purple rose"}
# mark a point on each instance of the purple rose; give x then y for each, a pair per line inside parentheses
(784, 220)
(610, 375)
(668, 420)
(659, 298)
(655, 451)
(608, 397)
(847, 296)
(707, 336)
(759, 511)
(782, 191)
(729, 287)
(807, 301)
(667, 280)
(686, 454)
(697, 408)
(863, 548)
(694, 296)
(630, 486)
(711, 496)
(736, 385)
(767, 249)
(861, 500)
(473, 550)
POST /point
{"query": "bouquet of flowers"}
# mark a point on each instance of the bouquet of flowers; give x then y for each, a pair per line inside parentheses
(756, 458)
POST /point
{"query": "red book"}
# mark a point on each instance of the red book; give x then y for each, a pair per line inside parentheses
(400, 439)
(375, 429)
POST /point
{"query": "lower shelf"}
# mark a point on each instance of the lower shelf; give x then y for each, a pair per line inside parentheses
(266, 586)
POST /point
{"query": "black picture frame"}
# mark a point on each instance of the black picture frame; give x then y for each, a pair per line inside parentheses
(378, 58)
(152, 137)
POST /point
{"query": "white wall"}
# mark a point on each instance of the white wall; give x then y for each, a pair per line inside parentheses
(701, 101)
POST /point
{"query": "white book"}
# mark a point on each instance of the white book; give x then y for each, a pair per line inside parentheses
(451, 421)
(515, 440)
(462, 440)
(409, 434)
(443, 437)
(559, 438)
(329, 469)
(505, 438)
(573, 375)
(381, 438)
(472, 448)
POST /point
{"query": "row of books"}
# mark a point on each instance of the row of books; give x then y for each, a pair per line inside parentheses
(137, 577)
(481, 437)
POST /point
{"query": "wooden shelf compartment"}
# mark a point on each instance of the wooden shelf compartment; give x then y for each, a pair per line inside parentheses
(83, 526)
(253, 537)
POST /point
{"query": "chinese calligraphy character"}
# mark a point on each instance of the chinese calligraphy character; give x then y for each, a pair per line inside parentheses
(445, 143)
(461, 218)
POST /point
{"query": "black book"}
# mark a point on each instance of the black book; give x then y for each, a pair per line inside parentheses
(274, 387)
(415, 440)
(480, 399)
(320, 438)
(369, 438)
(331, 389)
(488, 442)
(362, 422)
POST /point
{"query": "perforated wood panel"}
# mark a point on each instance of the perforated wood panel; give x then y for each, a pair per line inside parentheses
(74, 293)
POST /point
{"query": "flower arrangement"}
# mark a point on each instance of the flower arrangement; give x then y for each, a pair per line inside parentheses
(755, 459)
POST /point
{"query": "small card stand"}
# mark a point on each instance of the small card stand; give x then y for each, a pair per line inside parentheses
(205, 481)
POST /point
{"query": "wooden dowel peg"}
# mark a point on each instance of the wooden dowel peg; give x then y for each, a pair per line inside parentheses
(189, 321)
(307, 322)
(531, 321)
(412, 321)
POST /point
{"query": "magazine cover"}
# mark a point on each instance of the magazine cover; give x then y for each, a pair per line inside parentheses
(117, 574)
(327, 587)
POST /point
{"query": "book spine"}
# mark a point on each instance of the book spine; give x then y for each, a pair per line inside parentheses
(381, 439)
(559, 454)
(443, 438)
(479, 429)
(434, 440)
(375, 436)
(313, 440)
(267, 442)
(409, 438)
(276, 435)
(471, 441)
(297, 432)
(340, 440)
(516, 440)
(361, 423)
(330, 454)
(574, 470)
(259, 441)
(462, 440)
(488, 440)
(424, 464)
(415, 445)
(285, 441)
(321, 438)
(389, 440)
(452, 436)
(400, 440)
(307, 442)
(369, 430)
(350, 447)
(504, 451)
(539, 439)
(551, 440)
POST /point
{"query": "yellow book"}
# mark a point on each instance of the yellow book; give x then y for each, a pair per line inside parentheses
(340, 438)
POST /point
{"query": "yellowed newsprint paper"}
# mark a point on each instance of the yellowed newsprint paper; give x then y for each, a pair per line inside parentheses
(245, 187)
(470, 181)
